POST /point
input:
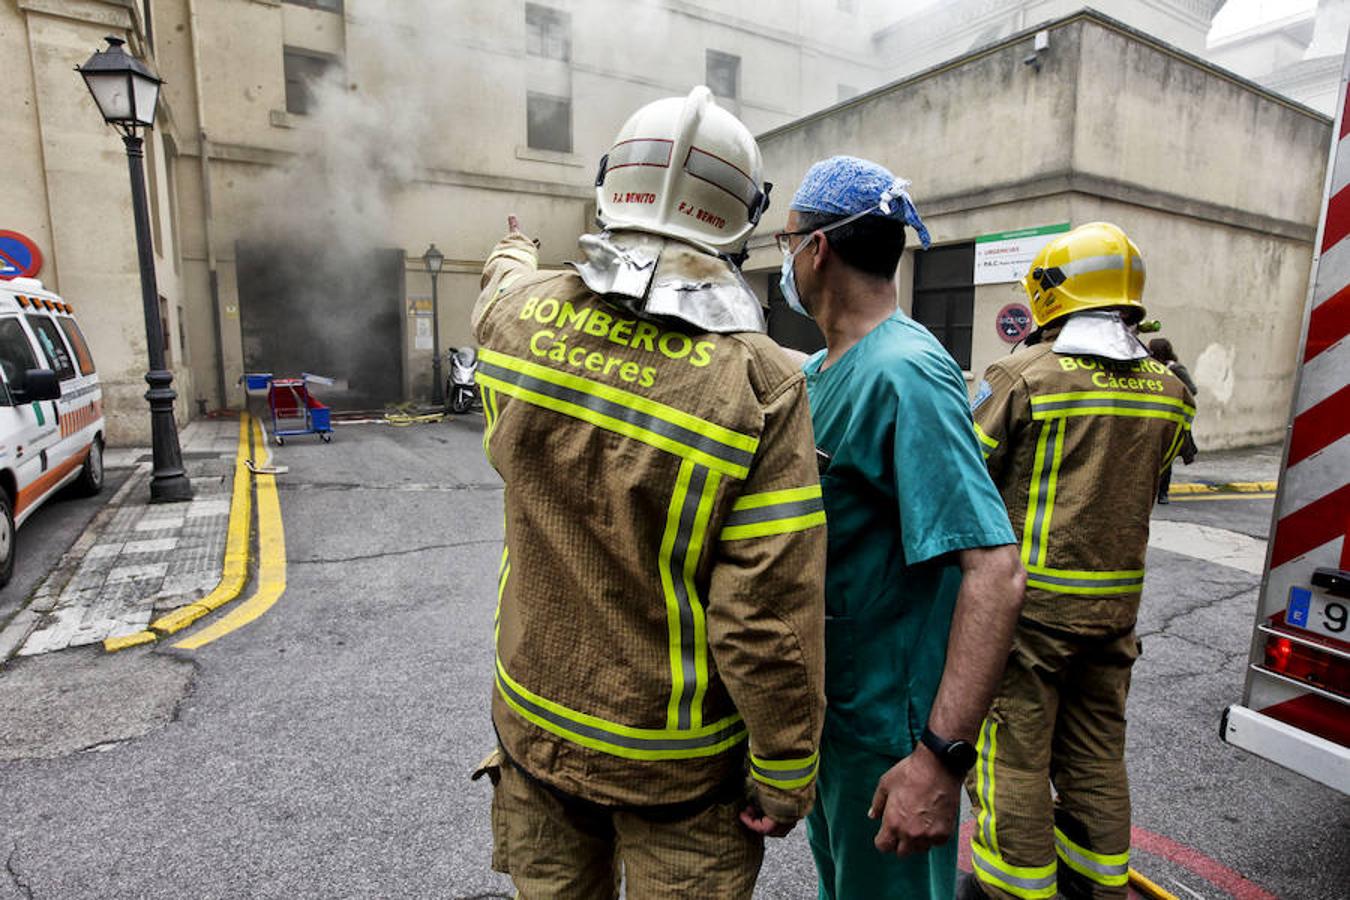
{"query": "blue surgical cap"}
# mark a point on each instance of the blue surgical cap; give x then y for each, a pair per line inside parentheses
(849, 186)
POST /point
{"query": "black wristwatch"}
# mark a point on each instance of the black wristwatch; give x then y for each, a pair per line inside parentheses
(958, 756)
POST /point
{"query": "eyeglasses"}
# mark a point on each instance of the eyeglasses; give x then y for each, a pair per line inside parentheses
(781, 239)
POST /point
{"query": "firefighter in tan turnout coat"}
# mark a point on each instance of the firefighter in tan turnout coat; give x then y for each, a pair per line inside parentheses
(659, 635)
(1076, 431)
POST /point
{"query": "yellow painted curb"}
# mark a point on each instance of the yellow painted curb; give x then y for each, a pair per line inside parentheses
(271, 566)
(113, 644)
(1237, 487)
(1148, 888)
(235, 572)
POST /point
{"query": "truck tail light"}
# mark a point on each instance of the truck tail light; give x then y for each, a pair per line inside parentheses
(1296, 660)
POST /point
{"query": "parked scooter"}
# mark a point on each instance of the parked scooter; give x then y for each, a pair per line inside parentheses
(461, 387)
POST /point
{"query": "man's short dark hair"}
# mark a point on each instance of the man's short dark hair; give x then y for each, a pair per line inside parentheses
(872, 244)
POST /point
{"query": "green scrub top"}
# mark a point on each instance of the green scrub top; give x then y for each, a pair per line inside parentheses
(905, 486)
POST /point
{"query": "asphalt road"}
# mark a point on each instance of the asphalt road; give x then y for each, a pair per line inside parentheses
(324, 750)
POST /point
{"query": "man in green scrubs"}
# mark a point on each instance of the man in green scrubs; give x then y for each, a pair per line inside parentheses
(923, 584)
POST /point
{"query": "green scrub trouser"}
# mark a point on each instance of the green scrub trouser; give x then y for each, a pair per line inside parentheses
(1058, 720)
(848, 864)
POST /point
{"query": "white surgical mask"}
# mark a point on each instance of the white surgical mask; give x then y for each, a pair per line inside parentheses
(787, 282)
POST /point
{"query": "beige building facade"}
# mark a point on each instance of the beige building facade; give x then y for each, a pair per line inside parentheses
(1218, 181)
(309, 151)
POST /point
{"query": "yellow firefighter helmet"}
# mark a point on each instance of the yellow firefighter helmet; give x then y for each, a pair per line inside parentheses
(1095, 266)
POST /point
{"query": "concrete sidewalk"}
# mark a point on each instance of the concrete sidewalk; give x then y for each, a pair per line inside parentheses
(136, 559)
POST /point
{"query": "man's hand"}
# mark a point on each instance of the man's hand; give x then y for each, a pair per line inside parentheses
(917, 802)
(513, 225)
(760, 824)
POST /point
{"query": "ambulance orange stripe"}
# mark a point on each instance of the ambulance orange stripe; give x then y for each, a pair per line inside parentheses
(31, 494)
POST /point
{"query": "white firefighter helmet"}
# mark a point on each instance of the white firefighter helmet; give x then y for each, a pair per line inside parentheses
(685, 168)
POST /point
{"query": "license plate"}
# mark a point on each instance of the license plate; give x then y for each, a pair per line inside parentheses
(1318, 612)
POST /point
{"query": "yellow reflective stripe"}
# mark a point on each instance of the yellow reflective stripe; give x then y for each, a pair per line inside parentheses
(1110, 869)
(987, 747)
(501, 592)
(773, 498)
(616, 739)
(776, 526)
(785, 774)
(668, 539)
(1173, 450)
(700, 636)
(489, 398)
(1028, 882)
(656, 424)
(682, 542)
(1084, 575)
(990, 444)
(1075, 396)
(1034, 495)
(625, 398)
(1084, 591)
(1077, 581)
(774, 512)
(1113, 411)
(1056, 461)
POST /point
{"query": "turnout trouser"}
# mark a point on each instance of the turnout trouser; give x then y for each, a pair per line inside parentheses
(1058, 722)
(553, 847)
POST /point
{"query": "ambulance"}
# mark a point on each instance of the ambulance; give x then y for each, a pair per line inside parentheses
(1295, 708)
(51, 408)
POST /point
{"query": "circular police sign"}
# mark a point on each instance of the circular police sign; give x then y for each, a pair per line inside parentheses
(1014, 322)
(19, 256)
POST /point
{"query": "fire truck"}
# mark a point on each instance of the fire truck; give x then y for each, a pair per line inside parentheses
(1295, 707)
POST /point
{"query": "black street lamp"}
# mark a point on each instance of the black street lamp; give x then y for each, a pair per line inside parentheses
(434, 259)
(127, 91)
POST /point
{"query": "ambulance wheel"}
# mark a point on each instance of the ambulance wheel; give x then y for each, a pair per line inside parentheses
(326, 437)
(90, 481)
(8, 540)
(281, 441)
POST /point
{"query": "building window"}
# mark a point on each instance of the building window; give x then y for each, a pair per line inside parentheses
(303, 70)
(549, 122)
(944, 296)
(325, 5)
(724, 75)
(548, 32)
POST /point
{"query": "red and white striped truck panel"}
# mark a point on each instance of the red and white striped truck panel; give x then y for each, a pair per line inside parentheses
(1296, 706)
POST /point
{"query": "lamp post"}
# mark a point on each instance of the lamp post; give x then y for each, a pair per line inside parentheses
(434, 259)
(127, 91)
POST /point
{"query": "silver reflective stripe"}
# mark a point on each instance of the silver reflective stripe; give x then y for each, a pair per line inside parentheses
(630, 742)
(784, 774)
(1086, 582)
(1049, 464)
(1107, 263)
(1046, 406)
(775, 512)
(1102, 869)
(720, 173)
(698, 477)
(693, 439)
(641, 152)
(1026, 884)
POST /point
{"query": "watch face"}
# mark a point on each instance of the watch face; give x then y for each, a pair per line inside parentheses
(961, 756)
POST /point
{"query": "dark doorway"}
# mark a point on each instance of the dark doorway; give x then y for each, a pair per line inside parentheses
(325, 311)
(944, 296)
